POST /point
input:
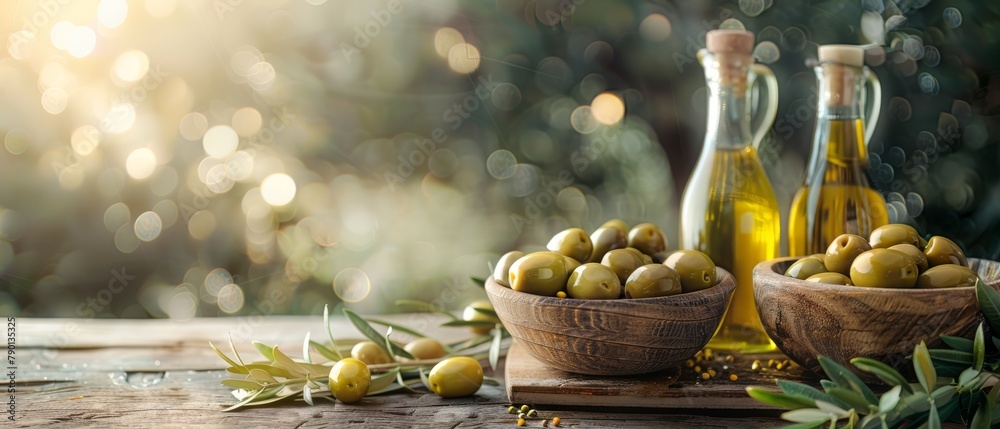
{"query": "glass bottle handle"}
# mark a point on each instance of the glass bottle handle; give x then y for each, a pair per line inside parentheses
(760, 70)
(872, 118)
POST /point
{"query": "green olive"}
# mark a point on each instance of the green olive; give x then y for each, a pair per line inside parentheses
(370, 353)
(502, 270)
(425, 348)
(696, 269)
(623, 262)
(886, 236)
(349, 380)
(593, 281)
(617, 224)
(940, 251)
(456, 377)
(605, 239)
(573, 242)
(805, 268)
(653, 280)
(571, 264)
(539, 273)
(830, 279)
(914, 253)
(948, 275)
(470, 314)
(648, 238)
(842, 252)
(884, 268)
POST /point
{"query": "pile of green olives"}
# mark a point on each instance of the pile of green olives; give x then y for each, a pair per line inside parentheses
(894, 256)
(612, 262)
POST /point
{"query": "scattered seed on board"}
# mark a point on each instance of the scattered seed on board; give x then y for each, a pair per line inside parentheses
(532, 413)
(733, 377)
(560, 294)
(520, 422)
(705, 376)
(555, 421)
(511, 410)
(522, 416)
(525, 408)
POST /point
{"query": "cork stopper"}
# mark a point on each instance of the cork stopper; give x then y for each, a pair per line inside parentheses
(849, 55)
(729, 41)
(840, 64)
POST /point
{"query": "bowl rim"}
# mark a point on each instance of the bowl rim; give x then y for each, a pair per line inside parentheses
(767, 269)
(721, 274)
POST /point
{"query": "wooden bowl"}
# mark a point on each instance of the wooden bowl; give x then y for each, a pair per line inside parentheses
(613, 337)
(807, 319)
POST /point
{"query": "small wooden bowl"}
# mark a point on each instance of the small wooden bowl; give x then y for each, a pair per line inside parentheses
(613, 337)
(807, 319)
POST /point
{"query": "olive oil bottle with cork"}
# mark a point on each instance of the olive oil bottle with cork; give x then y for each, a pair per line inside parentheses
(728, 210)
(836, 197)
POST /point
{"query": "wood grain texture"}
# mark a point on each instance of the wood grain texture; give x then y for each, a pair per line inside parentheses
(613, 337)
(105, 375)
(807, 319)
(679, 387)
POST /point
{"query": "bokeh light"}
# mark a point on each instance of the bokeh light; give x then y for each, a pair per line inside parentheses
(278, 189)
(140, 163)
(607, 108)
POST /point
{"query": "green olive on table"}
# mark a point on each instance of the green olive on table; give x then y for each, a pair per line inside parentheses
(623, 262)
(805, 267)
(349, 380)
(539, 273)
(886, 236)
(593, 281)
(884, 268)
(472, 315)
(653, 280)
(696, 269)
(571, 264)
(605, 239)
(940, 251)
(425, 348)
(502, 270)
(842, 252)
(456, 377)
(830, 279)
(572, 242)
(946, 276)
(370, 353)
(914, 253)
(647, 238)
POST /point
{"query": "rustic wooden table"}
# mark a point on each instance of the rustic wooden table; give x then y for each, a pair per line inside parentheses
(161, 373)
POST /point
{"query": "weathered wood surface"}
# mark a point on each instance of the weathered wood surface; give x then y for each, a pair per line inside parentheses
(116, 373)
(613, 337)
(844, 322)
(530, 381)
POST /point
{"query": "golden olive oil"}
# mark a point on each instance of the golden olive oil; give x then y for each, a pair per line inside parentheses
(836, 198)
(729, 212)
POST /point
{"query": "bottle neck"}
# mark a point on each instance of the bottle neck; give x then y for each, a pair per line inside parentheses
(728, 101)
(838, 120)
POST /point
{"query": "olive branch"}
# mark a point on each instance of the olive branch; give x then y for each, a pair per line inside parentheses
(958, 384)
(278, 377)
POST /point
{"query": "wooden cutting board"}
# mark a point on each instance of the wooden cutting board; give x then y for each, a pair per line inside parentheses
(532, 382)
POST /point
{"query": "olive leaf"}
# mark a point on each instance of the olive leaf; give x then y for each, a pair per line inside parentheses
(383, 380)
(237, 383)
(979, 349)
(807, 415)
(329, 332)
(889, 399)
(486, 311)
(235, 353)
(306, 355)
(989, 303)
(373, 335)
(479, 281)
(933, 421)
(779, 399)
(951, 356)
(852, 399)
(307, 395)
(223, 356)
(884, 372)
(326, 352)
(495, 347)
(425, 380)
(424, 306)
(282, 359)
(983, 416)
(807, 425)
(394, 326)
(958, 343)
(275, 371)
(847, 379)
(245, 400)
(264, 350)
(490, 381)
(924, 368)
(805, 391)
(470, 343)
